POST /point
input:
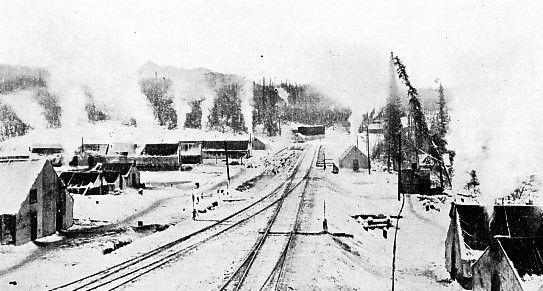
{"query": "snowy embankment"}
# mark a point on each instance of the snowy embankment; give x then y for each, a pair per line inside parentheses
(364, 261)
(166, 202)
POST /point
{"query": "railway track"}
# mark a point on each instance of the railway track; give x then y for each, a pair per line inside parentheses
(125, 272)
(270, 252)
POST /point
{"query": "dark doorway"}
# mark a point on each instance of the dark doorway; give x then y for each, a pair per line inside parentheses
(356, 165)
(134, 182)
(453, 261)
(33, 225)
(61, 211)
(496, 286)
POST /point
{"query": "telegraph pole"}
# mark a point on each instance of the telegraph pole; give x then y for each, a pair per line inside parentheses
(227, 166)
(399, 163)
(368, 143)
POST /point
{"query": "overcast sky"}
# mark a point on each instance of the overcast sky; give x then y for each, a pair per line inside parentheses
(326, 42)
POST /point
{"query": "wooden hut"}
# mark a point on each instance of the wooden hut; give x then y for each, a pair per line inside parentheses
(467, 238)
(33, 201)
(352, 158)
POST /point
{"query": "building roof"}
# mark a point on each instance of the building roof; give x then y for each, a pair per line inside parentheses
(98, 148)
(16, 179)
(47, 146)
(121, 147)
(517, 220)
(349, 149)
(66, 177)
(474, 226)
(110, 177)
(83, 178)
(161, 149)
(233, 145)
(524, 253)
(122, 168)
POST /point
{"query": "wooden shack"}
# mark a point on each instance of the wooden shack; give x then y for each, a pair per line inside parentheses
(514, 258)
(353, 156)
(33, 201)
(129, 174)
(236, 148)
(53, 152)
(467, 238)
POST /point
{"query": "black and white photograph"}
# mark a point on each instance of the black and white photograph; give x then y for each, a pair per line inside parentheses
(271, 145)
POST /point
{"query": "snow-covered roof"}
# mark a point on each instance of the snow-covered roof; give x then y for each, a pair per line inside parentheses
(261, 139)
(348, 150)
(16, 179)
(375, 126)
(46, 146)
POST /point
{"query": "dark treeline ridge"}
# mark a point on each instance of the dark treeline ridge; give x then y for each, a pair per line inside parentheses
(17, 78)
(302, 104)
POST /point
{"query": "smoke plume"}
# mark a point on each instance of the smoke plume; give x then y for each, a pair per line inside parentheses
(26, 108)
(247, 104)
(496, 121)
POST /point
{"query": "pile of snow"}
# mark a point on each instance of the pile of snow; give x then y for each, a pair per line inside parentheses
(275, 164)
(532, 282)
(109, 208)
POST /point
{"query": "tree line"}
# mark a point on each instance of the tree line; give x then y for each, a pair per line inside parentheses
(417, 137)
(300, 103)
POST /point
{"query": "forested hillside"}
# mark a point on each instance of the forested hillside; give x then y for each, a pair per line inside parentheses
(197, 98)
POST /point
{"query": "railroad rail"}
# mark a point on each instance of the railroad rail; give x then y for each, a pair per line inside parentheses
(125, 272)
(272, 281)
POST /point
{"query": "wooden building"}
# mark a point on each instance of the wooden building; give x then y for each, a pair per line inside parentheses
(352, 158)
(190, 152)
(259, 144)
(96, 148)
(105, 180)
(53, 152)
(306, 133)
(159, 156)
(514, 258)
(467, 238)
(84, 183)
(33, 201)
(312, 130)
(129, 175)
(236, 148)
(413, 181)
(510, 264)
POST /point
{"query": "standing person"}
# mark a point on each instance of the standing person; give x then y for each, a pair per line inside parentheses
(194, 213)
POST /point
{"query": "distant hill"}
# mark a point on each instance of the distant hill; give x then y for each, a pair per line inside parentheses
(180, 98)
(186, 97)
(14, 78)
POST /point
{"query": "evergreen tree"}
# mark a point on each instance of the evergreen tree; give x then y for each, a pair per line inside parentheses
(391, 120)
(51, 107)
(420, 128)
(194, 117)
(226, 111)
(10, 124)
(158, 94)
(441, 121)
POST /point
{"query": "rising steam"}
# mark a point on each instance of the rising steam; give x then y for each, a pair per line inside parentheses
(496, 122)
(26, 108)
(247, 104)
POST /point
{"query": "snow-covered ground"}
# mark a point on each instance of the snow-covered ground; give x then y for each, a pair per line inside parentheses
(166, 202)
(318, 262)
